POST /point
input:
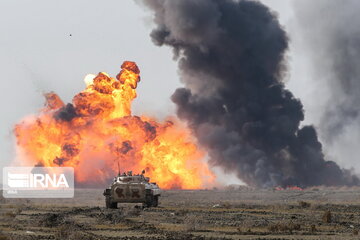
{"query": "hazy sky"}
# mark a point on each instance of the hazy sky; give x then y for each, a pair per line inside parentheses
(39, 55)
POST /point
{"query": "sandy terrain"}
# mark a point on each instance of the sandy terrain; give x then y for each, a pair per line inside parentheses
(207, 214)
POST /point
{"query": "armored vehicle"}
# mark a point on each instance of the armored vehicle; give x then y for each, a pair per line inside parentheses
(129, 188)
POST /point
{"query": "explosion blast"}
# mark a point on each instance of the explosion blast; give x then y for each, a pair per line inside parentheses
(97, 131)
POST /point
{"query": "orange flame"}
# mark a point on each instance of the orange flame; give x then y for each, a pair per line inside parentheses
(97, 131)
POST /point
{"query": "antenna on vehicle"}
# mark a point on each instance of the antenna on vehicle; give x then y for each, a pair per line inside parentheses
(118, 168)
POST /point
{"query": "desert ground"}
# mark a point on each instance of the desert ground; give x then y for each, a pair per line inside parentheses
(232, 213)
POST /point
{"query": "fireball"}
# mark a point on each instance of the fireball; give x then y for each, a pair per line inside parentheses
(98, 136)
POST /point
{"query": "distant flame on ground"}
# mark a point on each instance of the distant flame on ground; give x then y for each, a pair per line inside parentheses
(96, 132)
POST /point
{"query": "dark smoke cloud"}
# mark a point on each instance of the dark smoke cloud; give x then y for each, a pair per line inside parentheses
(66, 113)
(330, 31)
(231, 60)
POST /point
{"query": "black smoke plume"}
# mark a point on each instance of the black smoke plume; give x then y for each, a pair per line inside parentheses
(231, 60)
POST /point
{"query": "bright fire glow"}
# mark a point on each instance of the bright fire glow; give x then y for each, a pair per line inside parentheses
(97, 132)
